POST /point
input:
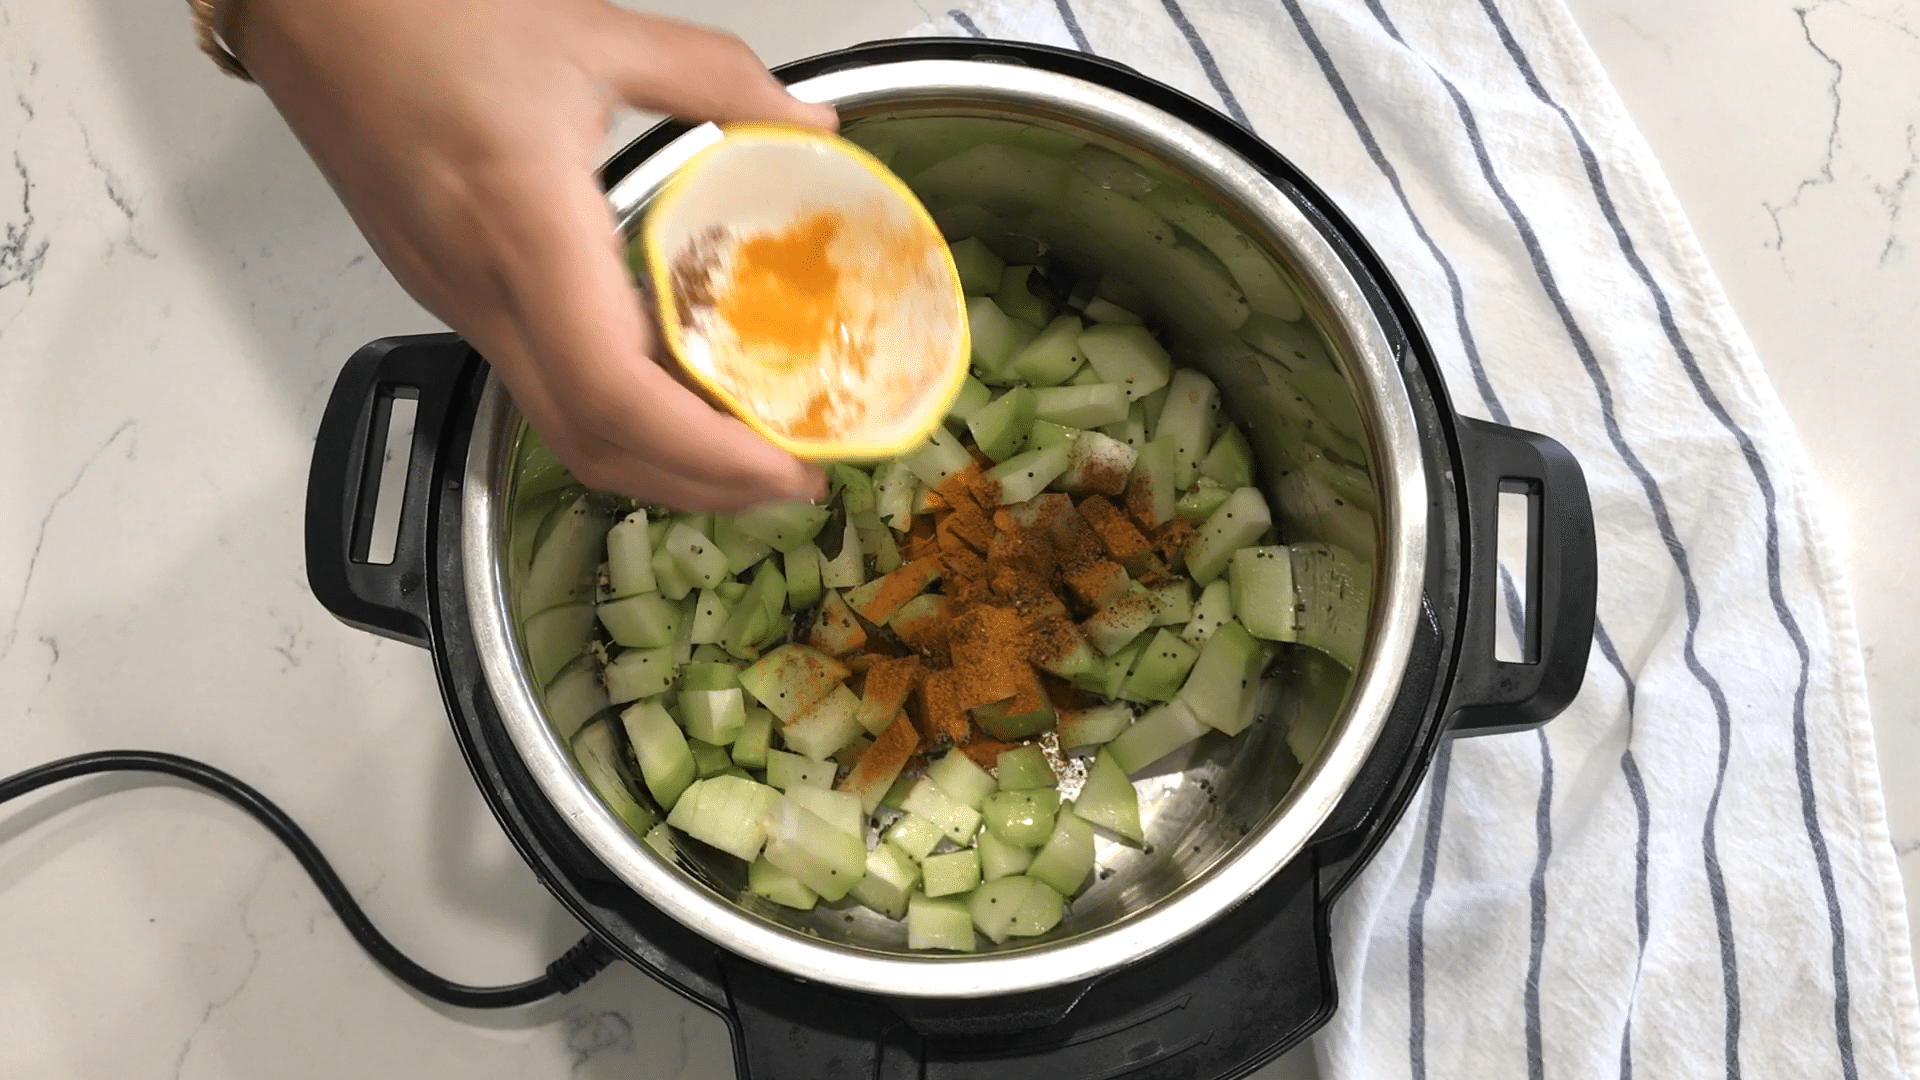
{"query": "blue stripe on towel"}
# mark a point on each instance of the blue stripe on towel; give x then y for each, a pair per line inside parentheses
(1072, 23)
(1716, 882)
(1843, 1028)
(1205, 56)
(1417, 917)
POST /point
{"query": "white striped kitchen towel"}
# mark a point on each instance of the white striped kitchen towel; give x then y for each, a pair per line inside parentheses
(1689, 873)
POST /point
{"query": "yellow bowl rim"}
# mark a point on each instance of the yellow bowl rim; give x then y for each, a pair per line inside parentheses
(806, 450)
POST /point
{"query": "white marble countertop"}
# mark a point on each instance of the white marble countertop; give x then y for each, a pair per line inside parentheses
(177, 290)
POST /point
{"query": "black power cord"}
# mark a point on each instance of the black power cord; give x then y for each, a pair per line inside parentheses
(577, 965)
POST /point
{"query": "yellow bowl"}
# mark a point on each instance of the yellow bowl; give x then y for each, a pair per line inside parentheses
(803, 288)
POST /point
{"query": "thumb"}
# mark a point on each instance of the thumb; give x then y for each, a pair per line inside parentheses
(696, 74)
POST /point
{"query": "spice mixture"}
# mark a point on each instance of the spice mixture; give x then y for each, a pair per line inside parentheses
(988, 597)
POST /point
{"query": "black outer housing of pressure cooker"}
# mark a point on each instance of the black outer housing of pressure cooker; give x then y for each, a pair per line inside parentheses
(1228, 998)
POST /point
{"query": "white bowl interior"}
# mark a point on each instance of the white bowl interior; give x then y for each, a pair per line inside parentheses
(897, 321)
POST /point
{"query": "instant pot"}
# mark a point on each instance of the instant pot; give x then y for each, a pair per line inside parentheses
(1202, 954)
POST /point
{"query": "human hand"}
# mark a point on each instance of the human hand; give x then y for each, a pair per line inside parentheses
(462, 136)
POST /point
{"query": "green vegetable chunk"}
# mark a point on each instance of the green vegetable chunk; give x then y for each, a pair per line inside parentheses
(1022, 768)
(1108, 799)
(1113, 626)
(951, 873)
(1088, 406)
(1067, 858)
(889, 883)
(708, 759)
(1161, 668)
(783, 525)
(1238, 523)
(1260, 580)
(939, 923)
(561, 570)
(1047, 433)
(1053, 356)
(661, 748)
(727, 812)
(996, 338)
(994, 905)
(709, 675)
(597, 752)
(1000, 859)
(630, 557)
(1159, 732)
(1024, 476)
(1090, 727)
(698, 558)
(787, 771)
(955, 818)
(852, 486)
(639, 673)
(1000, 430)
(848, 567)
(1039, 912)
(979, 267)
(1153, 479)
(1230, 462)
(825, 858)
(957, 776)
(915, 836)
(893, 490)
(1127, 356)
(792, 679)
(841, 809)
(973, 397)
(714, 716)
(752, 744)
(1214, 607)
(829, 725)
(1199, 504)
(767, 880)
(710, 615)
(1105, 311)
(1187, 419)
(1098, 463)
(1224, 689)
(1173, 603)
(803, 576)
(1002, 724)
(1021, 818)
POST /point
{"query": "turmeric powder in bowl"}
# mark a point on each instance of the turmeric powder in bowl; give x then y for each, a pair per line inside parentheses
(803, 288)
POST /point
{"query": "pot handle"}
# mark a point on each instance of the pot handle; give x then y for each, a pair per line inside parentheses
(1492, 695)
(343, 484)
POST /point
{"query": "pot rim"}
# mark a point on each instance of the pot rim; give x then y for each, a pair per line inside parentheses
(1401, 489)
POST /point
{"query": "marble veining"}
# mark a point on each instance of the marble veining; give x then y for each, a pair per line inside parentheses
(40, 539)
(1825, 174)
(1894, 197)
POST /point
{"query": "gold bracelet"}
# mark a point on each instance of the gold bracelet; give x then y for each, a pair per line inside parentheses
(209, 16)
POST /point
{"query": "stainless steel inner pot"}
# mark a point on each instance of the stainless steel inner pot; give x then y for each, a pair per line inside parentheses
(1218, 828)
